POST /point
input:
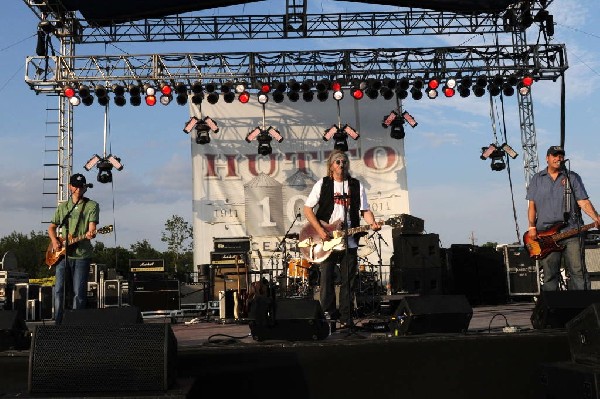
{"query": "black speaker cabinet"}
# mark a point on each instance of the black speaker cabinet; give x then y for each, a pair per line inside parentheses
(108, 358)
(154, 295)
(432, 314)
(103, 316)
(416, 250)
(568, 380)
(14, 333)
(583, 332)
(287, 319)
(522, 271)
(427, 280)
(555, 308)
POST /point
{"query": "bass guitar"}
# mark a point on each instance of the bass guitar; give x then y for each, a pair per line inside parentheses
(53, 257)
(546, 241)
(316, 250)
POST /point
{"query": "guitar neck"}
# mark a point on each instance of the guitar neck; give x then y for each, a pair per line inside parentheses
(75, 240)
(567, 234)
(361, 229)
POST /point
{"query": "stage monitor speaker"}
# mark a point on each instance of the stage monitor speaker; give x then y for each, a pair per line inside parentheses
(555, 308)
(82, 359)
(287, 319)
(103, 316)
(14, 333)
(432, 314)
(583, 332)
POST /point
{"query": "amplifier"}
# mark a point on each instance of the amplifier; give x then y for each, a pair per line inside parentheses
(154, 295)
(232, 245)
(522, 271)
(146, 265)
(409, 225)
(220, 259)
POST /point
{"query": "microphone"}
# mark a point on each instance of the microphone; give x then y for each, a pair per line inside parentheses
(89, 185)
(298, 215)
(563, 164)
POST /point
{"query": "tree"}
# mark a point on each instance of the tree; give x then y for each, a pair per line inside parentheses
(29, 251)
(143, 250)
(178, 237)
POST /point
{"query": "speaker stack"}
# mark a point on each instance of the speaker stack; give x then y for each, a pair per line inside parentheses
(416, 265)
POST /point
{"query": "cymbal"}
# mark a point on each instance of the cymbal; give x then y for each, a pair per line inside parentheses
(292, 236)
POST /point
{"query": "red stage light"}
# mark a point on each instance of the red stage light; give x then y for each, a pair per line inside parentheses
(527, 80)
(433, 83)
(69, 91)
(150, 100)
(166, 90)
(336, 86)
(244, 97)
(265, 88)
(357, 93)
(449, 92)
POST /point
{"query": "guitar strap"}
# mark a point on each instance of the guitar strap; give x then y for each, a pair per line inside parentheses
(71, 248)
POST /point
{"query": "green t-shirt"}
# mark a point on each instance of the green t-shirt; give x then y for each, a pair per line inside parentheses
(77, 225)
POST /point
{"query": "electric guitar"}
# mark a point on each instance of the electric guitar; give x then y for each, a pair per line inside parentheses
(53, 257)
(316, 250)
(546, 241)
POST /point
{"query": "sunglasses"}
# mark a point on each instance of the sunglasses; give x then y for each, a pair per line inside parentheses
(341, 161)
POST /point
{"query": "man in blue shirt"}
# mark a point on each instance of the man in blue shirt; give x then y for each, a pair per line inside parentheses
(557, 196)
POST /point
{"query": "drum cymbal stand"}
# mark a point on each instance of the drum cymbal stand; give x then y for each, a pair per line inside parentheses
(380, 262)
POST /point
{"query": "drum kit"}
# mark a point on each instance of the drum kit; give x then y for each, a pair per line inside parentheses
(295, 281)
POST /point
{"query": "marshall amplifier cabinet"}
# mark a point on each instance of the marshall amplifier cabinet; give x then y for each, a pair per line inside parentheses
(154, 295)
(146, 265)
(232, 245)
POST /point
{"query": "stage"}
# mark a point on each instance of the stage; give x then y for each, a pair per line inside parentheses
(500, 355)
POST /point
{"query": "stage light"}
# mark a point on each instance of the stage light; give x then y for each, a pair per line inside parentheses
(115, 162)
(182, 93)
(478, 91)
(149, 90)
(322, 96)
(104, 172)
(75, 101)
(166, 89)
(210, 87)
(150, 100)
(464, 91)
(264, 144)
(197, 98)
(527, 80)
(102, 95)
(212, 124)
(509, 151)
(409, 119)
(69, 91)
(278, 96)
(244, 97)
(263, 98)
(493, 89)
(293, 96)
(274, 133)
(397, 129)
(486, 152)
(308, 96)
(202, 136)
(338, 95)
(357, 93)
(523, 90)
(240, 87)
(265, 88)
(401, 93)
(190, 125)
(372, 93)
(451, 83)
(197, 88)
(336, 86)
(252, 134)
(279, 86)
(293, 85)
(418, 83)
(340, 141)
(416, 94)
(350, 131)
(432, 93)
(466, 81)
(389, 83)
(507, 89)
(212, 98)
(512, 79)
(135, 98)
(229, 97)
(386, 93)
(323, 85)
(89, 100)
(448, 91)
(433, 84)
(119, 92)
(387, 120)
(481, 81)
(306, 85)
(92, 162)
(330, 132)
(403, 84)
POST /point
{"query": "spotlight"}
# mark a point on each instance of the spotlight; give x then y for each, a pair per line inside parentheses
(464, 91)
(466, 81)
(386, 93)
(338, 94)
(478, 91)
(527, 80)
(166, 99)
(278, 96)
(135, 98)
(212, 125)
(509, 151)
(293, 85)
(350, 131)
(92, 162)
(416, 94)
(432, 93)
(308, 96)
(293, 96)
(486, 152)
(387, 120)
(372, 93)
(403, 84)
(253, 134)
(306, 85)
(494, 89)
(323, 85)
(274, 133)
(507, 89)
(119, 92)
(150, 100)
(418, 83)
(264, 143)
(202, 136)
(401, 93)
(336, 86)
(101, 94)
(212, 97)
(330, 132)
(340, 141)
(240, 87)
(75, 101)
(115, 162)
(433, 84)
(409, 119)
(190, 125)
(69, 91)
(229, 97)
(279, 86)
(244, 97)
(197, 98)
(481, 81)
(451, 83)
(182, 93)
(397, 130)
(322, 96)
(523, 90)
(149, 90)
(357, 93)
(263, 98)
(210, 87)
(166, 89)
(448, 91)
(197, 88)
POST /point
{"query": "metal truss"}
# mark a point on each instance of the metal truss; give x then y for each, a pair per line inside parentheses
(294, 24)
(51, 74)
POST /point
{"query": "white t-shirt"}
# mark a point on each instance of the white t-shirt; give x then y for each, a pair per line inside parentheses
(339, 189)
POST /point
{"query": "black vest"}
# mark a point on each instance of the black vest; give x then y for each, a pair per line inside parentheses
(326, 201)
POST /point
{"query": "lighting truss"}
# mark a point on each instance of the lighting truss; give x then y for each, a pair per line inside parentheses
(544, 61)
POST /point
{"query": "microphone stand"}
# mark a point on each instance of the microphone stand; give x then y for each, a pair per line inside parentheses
(378, 251)
(281, 245)
(567, 215)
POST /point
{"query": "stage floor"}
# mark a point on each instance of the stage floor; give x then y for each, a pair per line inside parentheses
(221, 356)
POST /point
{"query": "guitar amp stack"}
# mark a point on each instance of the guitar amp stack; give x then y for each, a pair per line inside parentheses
(229, 267)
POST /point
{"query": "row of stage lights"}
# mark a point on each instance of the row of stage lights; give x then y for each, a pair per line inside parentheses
(371, 88)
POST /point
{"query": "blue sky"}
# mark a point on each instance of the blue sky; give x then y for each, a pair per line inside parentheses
(456, 193)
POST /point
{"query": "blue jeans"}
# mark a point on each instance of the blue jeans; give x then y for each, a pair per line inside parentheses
(572, 258)
(76, 272)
